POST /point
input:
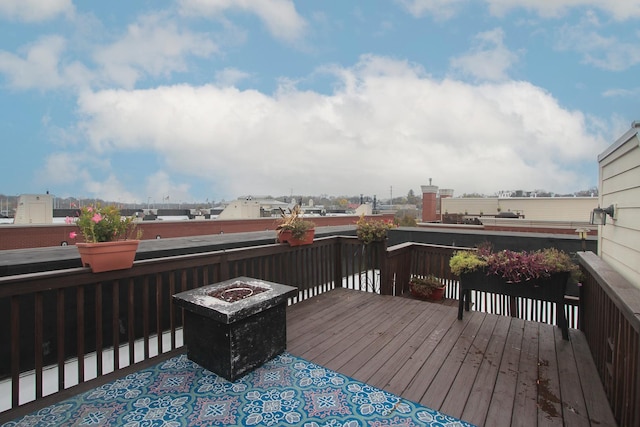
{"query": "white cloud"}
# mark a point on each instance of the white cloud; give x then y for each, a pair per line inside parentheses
(625, 93)
(40, 66)
(112, 188)
(35, 10)
(619, 9)
(152, 46)
(386, 124)
(606, 52)
(489, 59)
(84, 167)
(160, 185)
(230, 76)
(441, 9)
(279, 16)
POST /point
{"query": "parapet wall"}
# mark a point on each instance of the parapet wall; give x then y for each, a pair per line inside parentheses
(14, 236)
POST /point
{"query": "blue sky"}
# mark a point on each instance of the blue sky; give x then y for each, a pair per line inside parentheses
(215, 99)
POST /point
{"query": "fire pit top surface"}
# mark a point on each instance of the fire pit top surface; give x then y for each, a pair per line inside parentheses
(236, 291)
(234, 299)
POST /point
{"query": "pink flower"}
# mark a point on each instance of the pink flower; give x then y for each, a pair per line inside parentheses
(73, 235)
(89, 209)
(96, 218)
(68, 220)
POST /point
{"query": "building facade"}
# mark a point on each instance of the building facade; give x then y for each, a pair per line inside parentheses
(619, 187)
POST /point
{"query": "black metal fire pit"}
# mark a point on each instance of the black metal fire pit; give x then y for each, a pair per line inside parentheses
(233, 327)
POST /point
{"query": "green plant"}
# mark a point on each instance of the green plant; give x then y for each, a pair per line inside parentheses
(372, 230)
(466, 262)
(424, 286)
(404, 219)
(294, 222)
(515, 266)
(103, 224)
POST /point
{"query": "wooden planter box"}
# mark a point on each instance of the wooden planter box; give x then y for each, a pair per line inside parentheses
(233, 338)
(550, 289)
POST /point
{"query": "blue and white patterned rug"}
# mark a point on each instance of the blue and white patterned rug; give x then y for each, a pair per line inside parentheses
(286, 391)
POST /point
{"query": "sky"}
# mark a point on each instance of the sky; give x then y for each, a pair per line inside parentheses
(194, 100)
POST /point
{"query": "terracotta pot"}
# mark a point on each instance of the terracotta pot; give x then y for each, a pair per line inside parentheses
(420, 292)
(285, 236)
(108, 256)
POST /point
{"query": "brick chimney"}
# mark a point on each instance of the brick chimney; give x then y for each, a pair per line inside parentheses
(429, 202)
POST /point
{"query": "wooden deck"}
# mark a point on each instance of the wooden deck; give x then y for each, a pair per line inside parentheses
(485, 369)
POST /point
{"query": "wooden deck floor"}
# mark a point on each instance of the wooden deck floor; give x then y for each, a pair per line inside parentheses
(486, 369)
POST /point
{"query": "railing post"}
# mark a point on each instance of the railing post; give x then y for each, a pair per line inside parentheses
(337, 264)
(404, 275)
(224, 267)
(386, 276)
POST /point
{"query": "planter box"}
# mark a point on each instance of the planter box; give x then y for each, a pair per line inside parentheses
(418, 292)
(550, 289)
(108, 256)
(286, 236)
(233, 338)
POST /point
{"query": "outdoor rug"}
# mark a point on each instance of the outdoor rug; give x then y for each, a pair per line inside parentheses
(286, 391)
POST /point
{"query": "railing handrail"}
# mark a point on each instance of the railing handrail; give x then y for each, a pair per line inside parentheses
(611, 325)
(56, 279)
(621, 291)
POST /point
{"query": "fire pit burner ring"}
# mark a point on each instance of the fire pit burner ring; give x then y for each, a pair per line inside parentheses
(236, 292)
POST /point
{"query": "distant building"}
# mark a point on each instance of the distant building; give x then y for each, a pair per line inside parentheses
(548, 214)
(34, 209)
(249, 207)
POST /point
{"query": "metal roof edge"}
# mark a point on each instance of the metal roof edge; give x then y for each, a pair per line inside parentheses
(635, 128)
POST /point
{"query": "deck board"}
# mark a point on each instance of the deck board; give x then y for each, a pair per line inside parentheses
(594, 395)
(549, 408)
(479, 400)
(485, 369)
(469, 369)
(502, 399)
(574, 410)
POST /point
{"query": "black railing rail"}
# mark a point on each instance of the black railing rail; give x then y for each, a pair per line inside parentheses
(610, 307)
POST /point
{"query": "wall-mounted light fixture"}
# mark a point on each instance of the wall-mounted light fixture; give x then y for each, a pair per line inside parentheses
(599, 215)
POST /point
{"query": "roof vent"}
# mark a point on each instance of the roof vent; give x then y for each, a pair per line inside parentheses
(635, 124)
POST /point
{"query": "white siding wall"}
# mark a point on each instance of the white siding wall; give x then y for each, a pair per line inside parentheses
(619, 239)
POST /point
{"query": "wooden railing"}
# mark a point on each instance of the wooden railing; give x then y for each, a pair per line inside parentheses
(105, 322)
(610, 320)
(56, 317)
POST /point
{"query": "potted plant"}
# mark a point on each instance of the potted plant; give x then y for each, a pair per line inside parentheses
(294, 229)
(110, 241)
(428, 288)
(540, 275)
(372, 230)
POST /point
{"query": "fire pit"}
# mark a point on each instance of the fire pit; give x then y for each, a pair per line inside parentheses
(233, 327)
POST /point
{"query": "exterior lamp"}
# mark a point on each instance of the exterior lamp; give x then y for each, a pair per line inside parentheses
(599, 215)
